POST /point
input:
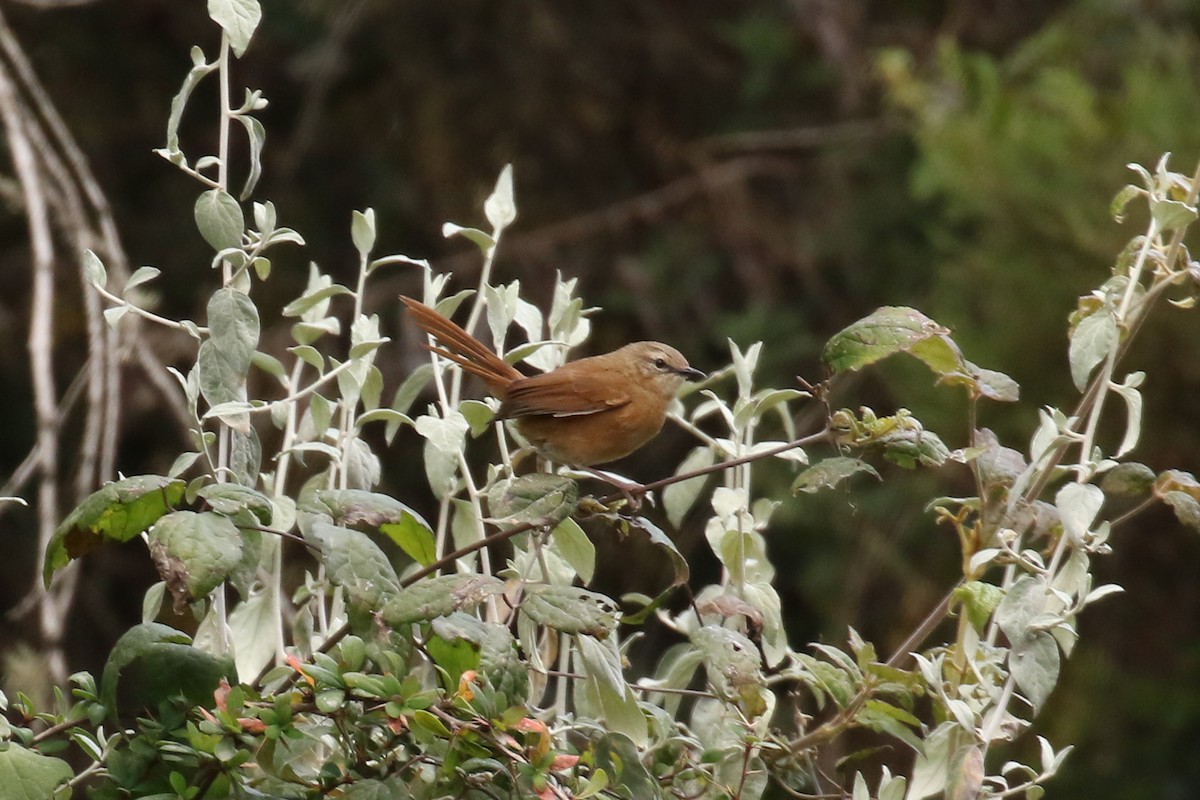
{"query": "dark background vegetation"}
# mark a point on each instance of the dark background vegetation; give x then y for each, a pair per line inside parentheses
(745, 170)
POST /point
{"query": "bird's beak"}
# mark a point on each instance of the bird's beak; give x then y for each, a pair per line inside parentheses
(692, 374)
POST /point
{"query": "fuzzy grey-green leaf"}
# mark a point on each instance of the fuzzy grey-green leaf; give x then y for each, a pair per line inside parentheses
(238, 18)
(1091, 341)
(570, 609)
(220, 219)
(194, 552)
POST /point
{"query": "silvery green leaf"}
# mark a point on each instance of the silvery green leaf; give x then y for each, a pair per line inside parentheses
(1172, 214)
(1091, 341)
(931, 770)
(220, 220)
(860, 790)
(500, 208)
(238, 18)
(362, 231)
(114, 314)
(1024, 600)
(744, 365)
(482, 240)
(309, 332)
(253, 627)
(141, 275)
(257, 135)
(1034, 662)
(313, 297)
(1133, 403)
(93, 269)
(679, 497)
(570, 609)
(396, 259)
(199, 69)
(1078, 504)
(575, 548)
(265, 217)
(194, 552)
(501, 310)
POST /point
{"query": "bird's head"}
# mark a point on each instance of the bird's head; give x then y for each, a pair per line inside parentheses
(661, 366)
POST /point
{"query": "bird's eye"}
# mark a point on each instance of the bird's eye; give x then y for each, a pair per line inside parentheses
(660, 363)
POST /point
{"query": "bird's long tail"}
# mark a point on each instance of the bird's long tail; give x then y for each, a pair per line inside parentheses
(463, 349)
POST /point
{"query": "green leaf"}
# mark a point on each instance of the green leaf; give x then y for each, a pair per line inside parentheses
(678, 498)
(310, 299)
(966, 774)
(619, 757)
(220, 220)
(887, 718)
(230, 498)
(1025, 599)
(1078, 504)
(1121, 201)
(362, 231)
(500, 208)
(889, 330)
(477, 414)
(411, 388)
(538, 499)
(1034, 663)
(141, 275)
(199, 69)
(931, 770)
(829, 473)
(1130, 478)
(988, 383)
(909, 446)
(117, 512)
(576, 548)
(152, 663)
(253, 627)
(414, 537)
(238, 18)
(225, 358)
(1092, 339)
(437, 597)
(483, 241)
(1172, 214)
(394, 519)
(1133, 405)
(601, 661)
(93, 269)
(731, 660)
(570, 609)
(194, 553)
(1186, 508)
(28, 775)
(979, 600)
(679, 564)
(257, 135)
(356, 563)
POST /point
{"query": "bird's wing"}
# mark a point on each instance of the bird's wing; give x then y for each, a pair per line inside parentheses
(565, 392)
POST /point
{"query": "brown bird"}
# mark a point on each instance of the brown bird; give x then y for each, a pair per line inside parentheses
(586, 412)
